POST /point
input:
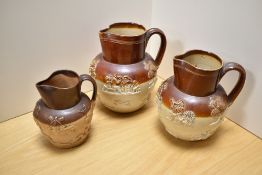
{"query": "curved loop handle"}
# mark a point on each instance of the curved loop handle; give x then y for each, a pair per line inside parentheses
(241, 79)
(162, 47)
(89, 78)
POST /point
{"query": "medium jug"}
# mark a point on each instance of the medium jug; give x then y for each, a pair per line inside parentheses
(192, 103)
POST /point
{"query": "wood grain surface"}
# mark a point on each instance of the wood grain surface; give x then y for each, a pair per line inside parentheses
(133, 143)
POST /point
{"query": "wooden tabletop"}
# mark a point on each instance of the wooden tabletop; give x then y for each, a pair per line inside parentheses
(133, 143)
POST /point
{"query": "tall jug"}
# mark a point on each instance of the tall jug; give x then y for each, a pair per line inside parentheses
(64, 113)
(192, 102)
(125, 74)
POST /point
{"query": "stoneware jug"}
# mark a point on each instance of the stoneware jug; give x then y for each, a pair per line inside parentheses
(64, 113)
(192, 103)
(125, 74)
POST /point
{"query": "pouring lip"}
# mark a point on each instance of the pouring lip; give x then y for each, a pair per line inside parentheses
(63, 71)
(197, 51)
(104, 33)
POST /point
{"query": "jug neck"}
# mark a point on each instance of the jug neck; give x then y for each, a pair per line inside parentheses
(197, 72)
(61, 90)
(123, 43)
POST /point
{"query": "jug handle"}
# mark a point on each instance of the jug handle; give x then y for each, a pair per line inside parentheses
(240, 82)
(84, 77)
(162, 47)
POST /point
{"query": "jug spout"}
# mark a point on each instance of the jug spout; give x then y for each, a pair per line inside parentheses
(197, 72)
(61, 90)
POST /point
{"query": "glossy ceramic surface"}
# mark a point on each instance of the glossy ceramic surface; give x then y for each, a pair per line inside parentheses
(124, 72)
(192, 103)
(64, 113)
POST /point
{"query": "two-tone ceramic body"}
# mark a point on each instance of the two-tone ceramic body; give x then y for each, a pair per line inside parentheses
(191, 103)
(64, 113)
(125, 74)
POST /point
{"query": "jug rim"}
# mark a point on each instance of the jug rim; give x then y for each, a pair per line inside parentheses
(202, 52)
(104, 33)
(63, 71)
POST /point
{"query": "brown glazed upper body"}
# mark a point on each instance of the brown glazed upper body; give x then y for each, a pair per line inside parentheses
(123, 48)
(55, 117)
(141, 71)
(125, 43)
(201, 106)
(61, 96)
(123, 53)
(198, 76)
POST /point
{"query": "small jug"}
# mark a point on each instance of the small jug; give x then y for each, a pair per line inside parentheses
(125, 74)
(64, 113)
(192, 103)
